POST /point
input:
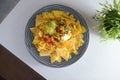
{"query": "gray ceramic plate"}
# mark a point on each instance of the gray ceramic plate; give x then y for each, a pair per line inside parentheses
(46, 60)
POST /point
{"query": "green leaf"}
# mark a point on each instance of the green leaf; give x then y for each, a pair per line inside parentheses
(109, 18)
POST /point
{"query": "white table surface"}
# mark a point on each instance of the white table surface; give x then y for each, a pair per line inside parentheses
(101, 61)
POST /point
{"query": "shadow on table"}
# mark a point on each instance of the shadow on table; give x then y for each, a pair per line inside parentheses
(5, 7)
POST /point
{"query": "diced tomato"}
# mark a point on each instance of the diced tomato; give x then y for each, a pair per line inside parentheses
(52, 44)
(47, 40)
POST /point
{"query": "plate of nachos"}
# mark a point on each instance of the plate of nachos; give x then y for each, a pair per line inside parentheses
(56, 35)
